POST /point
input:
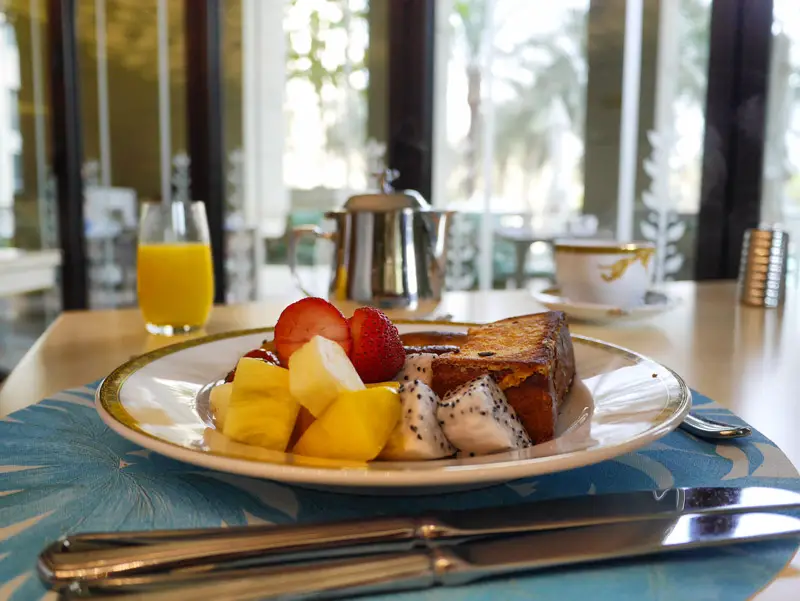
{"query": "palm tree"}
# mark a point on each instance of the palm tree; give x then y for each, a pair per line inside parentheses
(552, 77)
(695, 43)
(312, 64)
(470, 28)
(557, 63)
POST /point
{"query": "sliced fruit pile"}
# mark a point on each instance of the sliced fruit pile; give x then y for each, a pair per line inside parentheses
(310, 395)
(326, 392)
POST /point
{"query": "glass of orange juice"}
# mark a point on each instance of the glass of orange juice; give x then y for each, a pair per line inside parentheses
(175, 278)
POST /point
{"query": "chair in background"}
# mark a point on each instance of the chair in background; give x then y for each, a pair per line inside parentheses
(526, 238)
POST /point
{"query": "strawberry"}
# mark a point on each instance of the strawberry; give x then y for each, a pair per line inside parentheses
(378, 352)
(258, 353)
(264, 355)
(303, 320)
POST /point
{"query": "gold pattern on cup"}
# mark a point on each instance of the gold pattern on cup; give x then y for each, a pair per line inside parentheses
(619, 267)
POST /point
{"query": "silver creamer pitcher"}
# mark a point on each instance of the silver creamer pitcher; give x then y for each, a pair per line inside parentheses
(390, 249)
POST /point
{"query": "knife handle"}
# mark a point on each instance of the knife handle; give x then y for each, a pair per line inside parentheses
(94, 556)
(338, 578)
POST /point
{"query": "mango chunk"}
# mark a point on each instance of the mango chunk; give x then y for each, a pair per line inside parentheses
(356, 426)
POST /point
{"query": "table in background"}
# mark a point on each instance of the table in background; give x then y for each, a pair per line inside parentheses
(522, 238)
(23, 271)
(742, 357)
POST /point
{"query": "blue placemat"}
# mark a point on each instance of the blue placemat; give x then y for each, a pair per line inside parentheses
(62, 470)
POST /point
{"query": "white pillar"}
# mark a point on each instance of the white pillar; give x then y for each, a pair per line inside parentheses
(10, 139)
(629, 123)
(667, 70)
(47, 229)
(164, 123)
(266, 200)
(103, 119)
(442, 159)
(779, 101)
(485, 265)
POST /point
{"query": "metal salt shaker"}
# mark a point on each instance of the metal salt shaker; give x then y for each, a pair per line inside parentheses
(762, 271)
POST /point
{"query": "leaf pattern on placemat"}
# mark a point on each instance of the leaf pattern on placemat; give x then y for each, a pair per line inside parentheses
(62, 470)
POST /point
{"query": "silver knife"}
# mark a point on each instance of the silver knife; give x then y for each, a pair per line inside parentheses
(453, 565)
(102, 555)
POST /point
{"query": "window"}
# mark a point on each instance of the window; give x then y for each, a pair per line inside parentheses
(534, 135)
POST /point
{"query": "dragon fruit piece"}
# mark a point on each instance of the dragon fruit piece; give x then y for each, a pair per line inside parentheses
(478, 420)
(418, 434)
(417, 367)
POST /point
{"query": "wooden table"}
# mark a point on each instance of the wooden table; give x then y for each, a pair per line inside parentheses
(741, 357)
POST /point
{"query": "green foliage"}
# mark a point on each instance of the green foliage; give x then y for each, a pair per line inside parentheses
(319, 26)
(695, 42)
(552, 68)
(313, 63)
(472, 17)
(555, 64)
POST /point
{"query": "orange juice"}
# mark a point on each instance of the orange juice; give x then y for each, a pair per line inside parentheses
(175, 284)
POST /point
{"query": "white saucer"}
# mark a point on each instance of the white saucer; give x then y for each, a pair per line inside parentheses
(655, 303)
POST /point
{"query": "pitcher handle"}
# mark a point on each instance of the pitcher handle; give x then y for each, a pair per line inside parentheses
(295, 234)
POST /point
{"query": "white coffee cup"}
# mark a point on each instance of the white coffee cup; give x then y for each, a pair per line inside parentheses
(604, 272)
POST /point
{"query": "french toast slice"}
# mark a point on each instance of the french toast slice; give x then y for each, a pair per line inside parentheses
(531, 359)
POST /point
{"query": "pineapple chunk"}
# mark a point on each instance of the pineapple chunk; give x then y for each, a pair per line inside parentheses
(261, 411)
(219, 399)
(393, 385)
(318, 371)
(356, 426)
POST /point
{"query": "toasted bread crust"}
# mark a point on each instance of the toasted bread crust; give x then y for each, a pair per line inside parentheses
(530, 357)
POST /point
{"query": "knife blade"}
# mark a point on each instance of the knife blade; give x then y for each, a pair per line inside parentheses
(454, 565)
(100, 555)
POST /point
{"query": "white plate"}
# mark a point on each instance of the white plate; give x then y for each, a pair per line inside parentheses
(622, 401)
(655, 303)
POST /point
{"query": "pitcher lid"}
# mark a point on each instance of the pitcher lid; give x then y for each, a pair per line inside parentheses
(387, 198)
